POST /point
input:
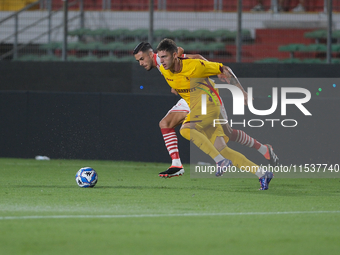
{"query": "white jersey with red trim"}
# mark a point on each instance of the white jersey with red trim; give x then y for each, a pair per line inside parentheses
(157, 60)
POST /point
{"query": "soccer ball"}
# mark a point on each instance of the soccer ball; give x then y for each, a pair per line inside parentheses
(86, 177)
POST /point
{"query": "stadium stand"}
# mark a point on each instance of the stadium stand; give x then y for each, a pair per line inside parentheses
(259, 44)
(194, 5)
(314, 52)
(173, 5)
(117, 43)
(15, 5)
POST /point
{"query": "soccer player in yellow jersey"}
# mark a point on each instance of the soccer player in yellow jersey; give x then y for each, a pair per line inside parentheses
(146, 58)
(196, 127)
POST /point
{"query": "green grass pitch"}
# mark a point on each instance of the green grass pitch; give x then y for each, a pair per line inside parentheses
(132, 211)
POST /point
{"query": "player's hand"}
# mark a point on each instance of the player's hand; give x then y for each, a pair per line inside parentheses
(223, 78)
(180, 51)
(174, 91)
(245, 95)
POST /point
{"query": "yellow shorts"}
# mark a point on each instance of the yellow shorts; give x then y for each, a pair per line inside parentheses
(205, 123)
(195, 116)
(213, 132)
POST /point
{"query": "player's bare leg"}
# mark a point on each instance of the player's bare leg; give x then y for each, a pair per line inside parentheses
(241, 137)
(172, 119)
(167, 126)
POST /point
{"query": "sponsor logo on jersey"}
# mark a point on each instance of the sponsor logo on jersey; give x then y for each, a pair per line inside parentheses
(185, 90)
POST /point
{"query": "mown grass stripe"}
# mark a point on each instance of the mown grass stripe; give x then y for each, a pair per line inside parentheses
(158, 215)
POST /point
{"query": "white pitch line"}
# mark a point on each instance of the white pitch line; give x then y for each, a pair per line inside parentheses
(157, 215)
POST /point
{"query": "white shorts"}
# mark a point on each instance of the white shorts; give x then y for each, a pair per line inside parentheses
(181, 106)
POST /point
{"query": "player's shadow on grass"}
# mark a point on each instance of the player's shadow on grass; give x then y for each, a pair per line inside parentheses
(139, 187)
(235, 188)
(96, 187)
(43, 186)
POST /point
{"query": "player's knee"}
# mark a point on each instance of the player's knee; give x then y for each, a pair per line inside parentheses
(185, 132)
(163, 124)
(228, 131)
(228, 134)
(220, 143)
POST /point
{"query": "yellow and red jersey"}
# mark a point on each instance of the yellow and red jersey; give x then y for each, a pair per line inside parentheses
(191, 68)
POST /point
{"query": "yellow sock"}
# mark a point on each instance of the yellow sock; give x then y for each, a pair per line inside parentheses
(239, 160)
(201, 141)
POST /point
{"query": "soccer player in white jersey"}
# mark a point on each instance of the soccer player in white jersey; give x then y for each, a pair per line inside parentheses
(145, 56)
(175, 116)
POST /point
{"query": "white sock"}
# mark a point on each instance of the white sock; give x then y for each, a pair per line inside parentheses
(218, 158)
(260, 172)
(263, 149)
(176, 162)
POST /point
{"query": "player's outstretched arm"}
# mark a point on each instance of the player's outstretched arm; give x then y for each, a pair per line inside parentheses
(173, 91)
(229, 76)
(198, 56)
(180, 51)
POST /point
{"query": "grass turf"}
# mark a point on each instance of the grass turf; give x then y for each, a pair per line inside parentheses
(256, 224)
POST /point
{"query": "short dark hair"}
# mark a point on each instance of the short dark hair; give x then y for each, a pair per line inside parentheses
(167, 45)
(143, 46)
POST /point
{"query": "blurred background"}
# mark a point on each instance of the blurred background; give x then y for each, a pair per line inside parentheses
(267, 31)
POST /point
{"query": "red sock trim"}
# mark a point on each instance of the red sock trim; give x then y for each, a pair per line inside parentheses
(233, 135)
(167, 130)
(256, 145)
(243, 138)
(172, 147)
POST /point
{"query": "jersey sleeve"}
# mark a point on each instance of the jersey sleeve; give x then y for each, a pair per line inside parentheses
(206, 69)
(157, 60)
